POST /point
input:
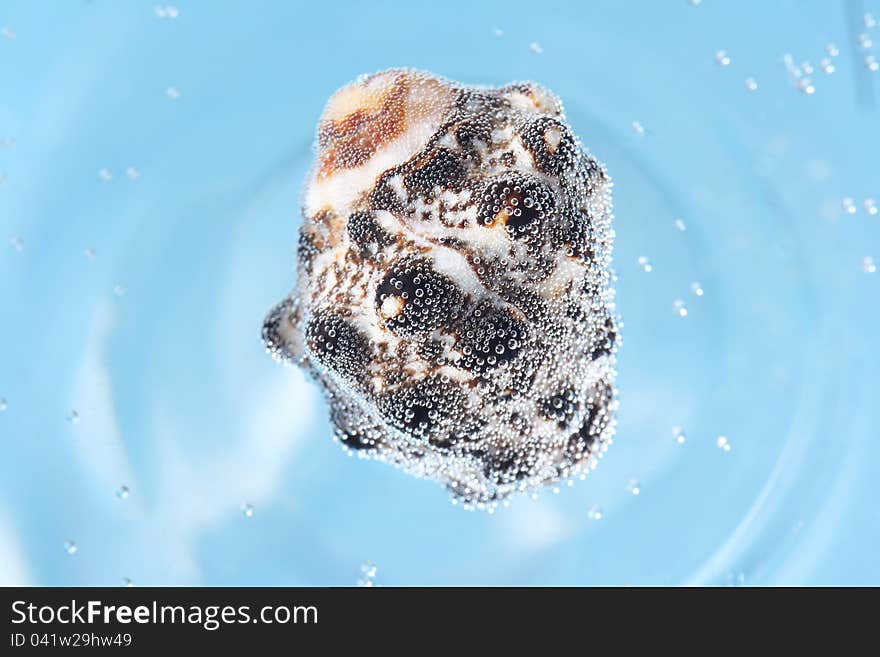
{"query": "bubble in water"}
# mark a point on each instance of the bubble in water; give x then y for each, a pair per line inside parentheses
(70, 547)
(368, 574)
(806, 85)
(89, 253)
(497, 31)
(680, 308)
(848, 205)
(133, 173)
(807, 68)
(126, 582)
(105, 174)
(123, 492)
(751, 84)
(633, 487)
(594, 512)
(870, 21)
(638, 128)
(723, 443)
(3, 404)
(173, 93)
(872, 64)
(8, 33)
(697, 288)
(536, 48)
(827, 66)
(870, 206)
(17, 243)
(722, 58)
(680, 225)
(119, 290)
(247, 510)
(695, 3)
(868, 265)
(168, 11)
(645, 264)
(678, 435)
(73, 417)
(865, 41)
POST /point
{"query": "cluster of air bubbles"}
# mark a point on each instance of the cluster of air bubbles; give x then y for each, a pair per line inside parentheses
(595, 512)
(536, 48)
(70, 547)
(247, 510)
(73, 417)
(722, 58)
(173, 93)
(723, 443)
(800, 75)
(123, 492)
(368, 575)
(866, 43)
(7, 33)
(850, 206)
(680, 307)
(167, 11)
(633, 487)
(645, 264)
(678, 435)
(868, 265)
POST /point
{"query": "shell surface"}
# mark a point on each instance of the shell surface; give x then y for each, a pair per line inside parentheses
(453, 294)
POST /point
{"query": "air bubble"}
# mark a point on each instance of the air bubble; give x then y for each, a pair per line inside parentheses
(868, 265)
(70, 547)
(645, 264)
(73, 417)
(751, 84)
(680, 308)
(133, 173)
(247, 510)
(638, 128)
(872, 64)
(123, 492)
(723, 443)
(827, 66)
(3, 404)
(678, 435)
(633, 487)
(119, 290)
(126, 582)
(870, 206)
(865, 41)
(832, 50)
(722, 58)
(697, 289)
(8, 33)
(849, 205)
(680, 225)
(173, 93)
(595, 512)
(90, 253)
(498, 32)
(105, 174)
(536, 48)
(368, 575)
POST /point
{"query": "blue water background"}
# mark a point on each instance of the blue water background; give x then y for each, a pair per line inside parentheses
(136, 301)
